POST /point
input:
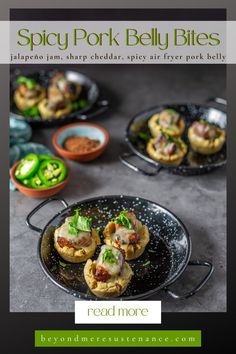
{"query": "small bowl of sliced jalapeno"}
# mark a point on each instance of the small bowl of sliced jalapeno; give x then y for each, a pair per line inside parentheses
(40, 176)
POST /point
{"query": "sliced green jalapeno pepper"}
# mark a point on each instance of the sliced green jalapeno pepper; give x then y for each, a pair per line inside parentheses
(52, 172)
(26, 183)
(43, 157)
(27, 167)
(37, 183)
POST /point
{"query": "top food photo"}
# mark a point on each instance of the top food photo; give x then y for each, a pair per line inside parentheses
(53, 97)
(185, 138)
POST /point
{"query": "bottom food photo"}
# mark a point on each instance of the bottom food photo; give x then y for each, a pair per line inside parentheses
(115, 246)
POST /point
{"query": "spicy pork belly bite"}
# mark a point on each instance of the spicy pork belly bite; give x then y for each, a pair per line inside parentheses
(206, 138)
(61, 94)
(76, 240)
(166, 149)
(126, 232)
(55, 105)
(28, 93)
(169, 121)
(109, 275)
(70, 90)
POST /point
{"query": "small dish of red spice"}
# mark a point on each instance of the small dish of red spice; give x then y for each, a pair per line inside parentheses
(81, 141)
(80, 144)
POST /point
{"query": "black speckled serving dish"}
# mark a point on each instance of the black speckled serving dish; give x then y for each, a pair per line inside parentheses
(90, 92)
(193, 163)
(164, 260)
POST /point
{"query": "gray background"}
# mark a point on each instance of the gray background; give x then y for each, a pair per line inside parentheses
(200, 201)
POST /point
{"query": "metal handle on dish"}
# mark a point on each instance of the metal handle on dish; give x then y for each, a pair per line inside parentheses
(199, 286)
(100, 107)
(38, 207)
(219, 100)
(123, 158)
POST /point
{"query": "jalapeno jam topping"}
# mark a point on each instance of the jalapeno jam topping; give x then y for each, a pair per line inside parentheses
(40, 171)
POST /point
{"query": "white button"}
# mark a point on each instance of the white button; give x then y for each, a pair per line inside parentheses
(89, 312)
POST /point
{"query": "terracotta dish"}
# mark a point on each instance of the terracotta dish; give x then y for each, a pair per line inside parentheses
(85, 130)
(42, 192)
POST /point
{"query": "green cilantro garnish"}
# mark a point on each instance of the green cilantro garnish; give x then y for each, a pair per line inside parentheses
(84, 223)
(79, 104)
(171, 139)
(173, 128)
(171, 111)
(30, 83)
(31, 112)
(152, 251)
(54, 267)
(73, 224)
(79, 223)
(62, 264)
(144, 136)
(168, 137)
(98, 229)
(203, 121)
(109, 257)
(146, 264)
(122, 219)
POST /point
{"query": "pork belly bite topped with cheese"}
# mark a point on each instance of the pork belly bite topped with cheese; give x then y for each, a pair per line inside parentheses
(70, 90)
(76, 240)
(166, 149)
(109, 263)
(61, 94)
(169, 120)
(206, 138)
(125, 231)
(205, 130)
(28, 93)
(109, 275)
(165, 145)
